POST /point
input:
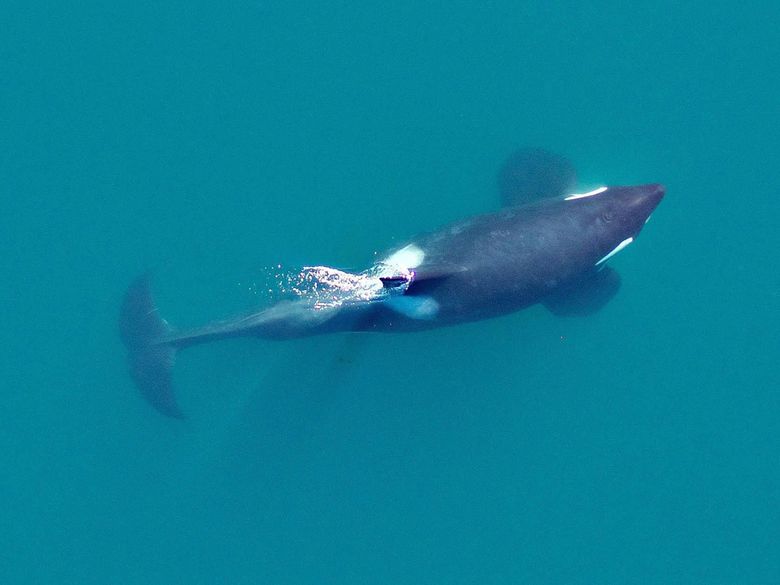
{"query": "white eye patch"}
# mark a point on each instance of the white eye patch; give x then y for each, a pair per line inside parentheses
(617, 249)
(588, 194)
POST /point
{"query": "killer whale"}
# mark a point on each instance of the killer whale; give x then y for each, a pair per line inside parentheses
(546, 244)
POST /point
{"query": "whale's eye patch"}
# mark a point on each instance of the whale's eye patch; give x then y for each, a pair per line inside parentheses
(608, 216)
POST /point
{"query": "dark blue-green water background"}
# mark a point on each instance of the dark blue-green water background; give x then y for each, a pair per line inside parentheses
(639, 445)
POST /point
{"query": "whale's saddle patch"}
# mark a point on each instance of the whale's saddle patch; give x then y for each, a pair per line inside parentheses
(420, 307)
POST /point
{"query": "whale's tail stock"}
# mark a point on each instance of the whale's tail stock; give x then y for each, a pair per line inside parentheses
(152, 344)
(150, 356)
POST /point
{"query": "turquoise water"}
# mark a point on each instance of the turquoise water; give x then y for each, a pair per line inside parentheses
(638, 445)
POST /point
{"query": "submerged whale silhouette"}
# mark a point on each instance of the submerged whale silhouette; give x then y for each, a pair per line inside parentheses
(545, 245)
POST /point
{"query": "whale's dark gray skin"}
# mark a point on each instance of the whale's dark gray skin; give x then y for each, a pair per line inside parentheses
(551, 250)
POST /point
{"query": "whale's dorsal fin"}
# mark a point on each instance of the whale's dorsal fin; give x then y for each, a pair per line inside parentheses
(531, 174)
(427, 278)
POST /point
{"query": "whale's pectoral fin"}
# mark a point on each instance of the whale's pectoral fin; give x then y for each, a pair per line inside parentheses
(417, 307)
(531, 174)
(584, 296)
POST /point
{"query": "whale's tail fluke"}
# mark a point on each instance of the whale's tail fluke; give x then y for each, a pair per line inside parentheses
(150, 356)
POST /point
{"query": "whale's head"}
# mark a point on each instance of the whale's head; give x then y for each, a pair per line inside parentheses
(614, 216)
